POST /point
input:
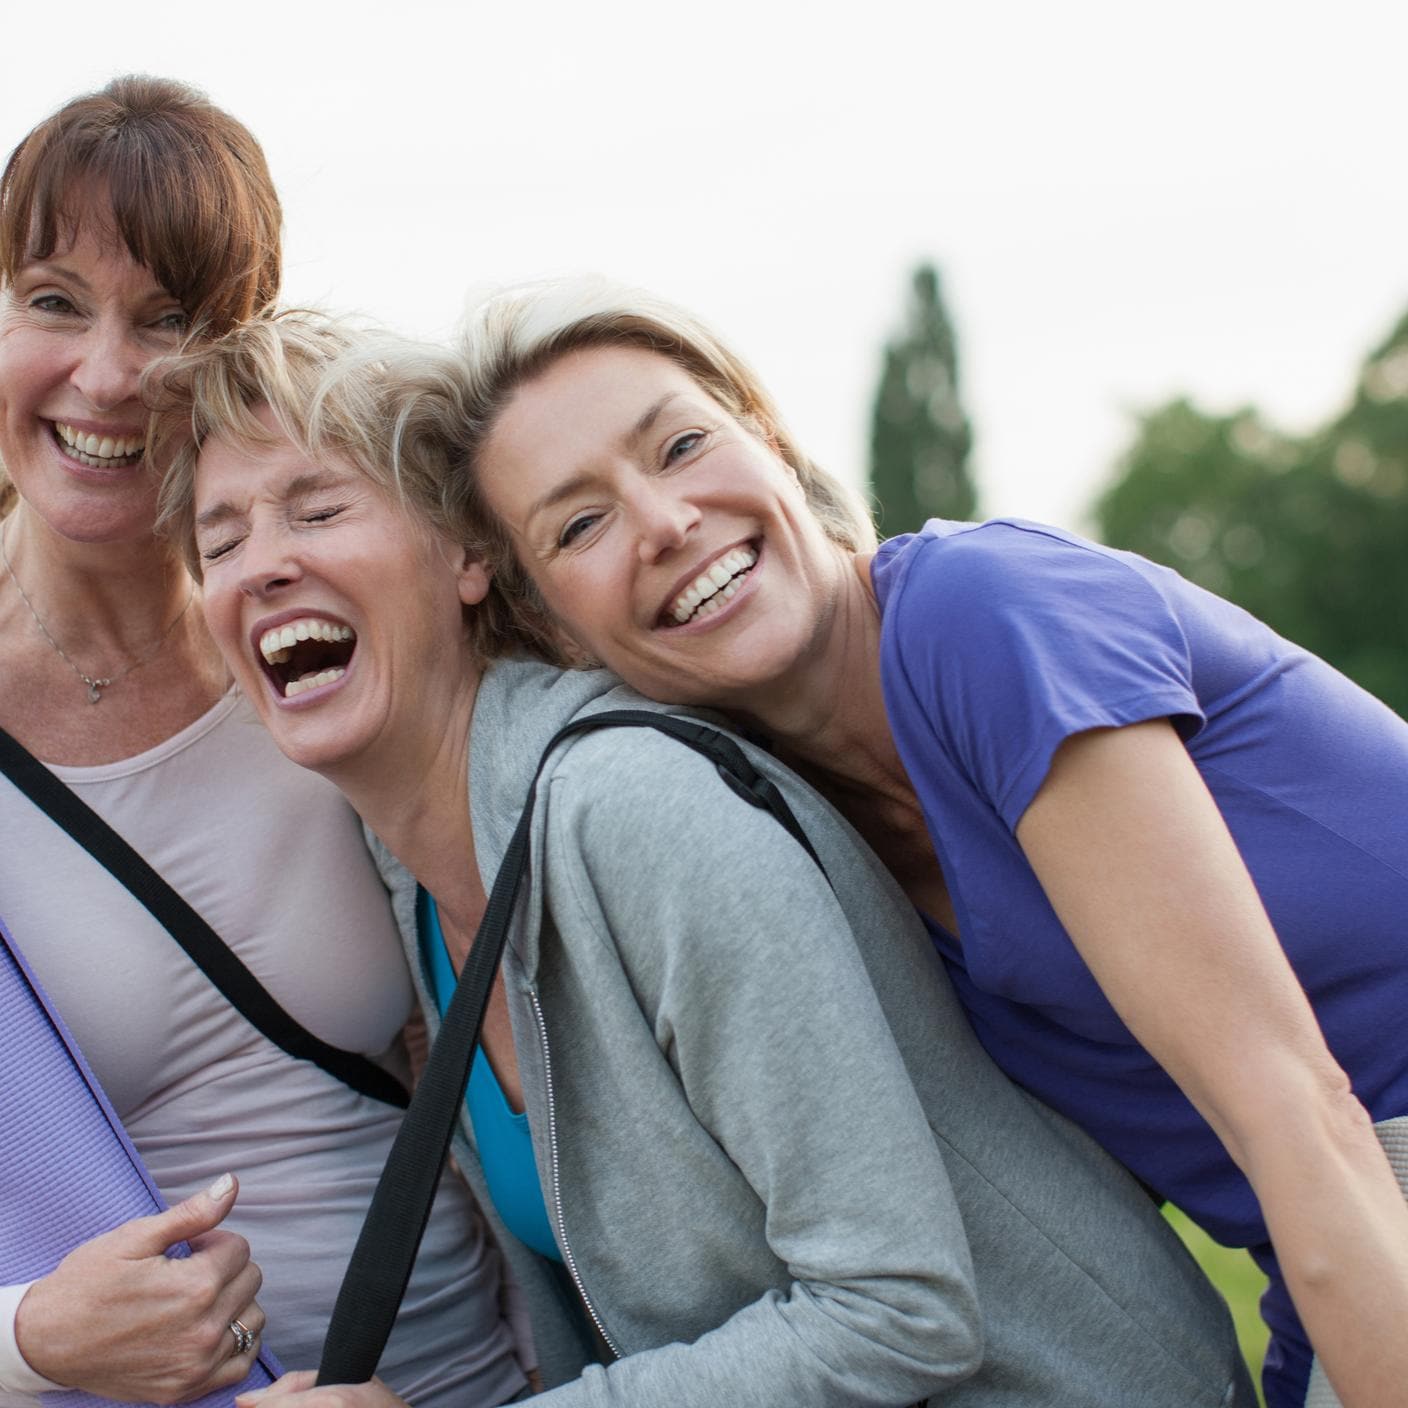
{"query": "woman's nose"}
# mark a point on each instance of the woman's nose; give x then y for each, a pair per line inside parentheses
(109, 366)
(666, 520)
(267, 564)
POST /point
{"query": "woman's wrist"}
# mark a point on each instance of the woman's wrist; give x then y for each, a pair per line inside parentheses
(17, 1374)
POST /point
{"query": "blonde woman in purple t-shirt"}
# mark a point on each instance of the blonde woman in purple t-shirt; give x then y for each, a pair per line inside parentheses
(1146, 833)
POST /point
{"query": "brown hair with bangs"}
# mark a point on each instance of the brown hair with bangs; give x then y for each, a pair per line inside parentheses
(185, 186)
(153, 164)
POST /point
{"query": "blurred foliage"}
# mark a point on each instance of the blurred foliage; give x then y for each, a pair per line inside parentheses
(1240, 1281)
(1309, 534)
(920, 437)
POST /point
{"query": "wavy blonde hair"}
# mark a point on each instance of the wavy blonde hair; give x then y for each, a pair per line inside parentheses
(390, 408)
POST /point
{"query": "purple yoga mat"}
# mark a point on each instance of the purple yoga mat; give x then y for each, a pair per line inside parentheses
(67, 1169)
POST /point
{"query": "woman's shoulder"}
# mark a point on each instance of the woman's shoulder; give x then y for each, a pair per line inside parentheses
(984, 566)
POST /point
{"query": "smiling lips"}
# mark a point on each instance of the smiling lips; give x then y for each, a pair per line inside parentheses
(713, 587)
(306, 654)
(100, 451)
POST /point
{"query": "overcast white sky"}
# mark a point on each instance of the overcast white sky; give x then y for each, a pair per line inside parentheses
(1127, 200)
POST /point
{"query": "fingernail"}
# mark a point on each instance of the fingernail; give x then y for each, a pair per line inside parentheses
(220, 1189)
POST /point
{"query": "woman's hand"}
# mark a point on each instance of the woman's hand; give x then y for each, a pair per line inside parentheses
(119, 1318)
(1139, 865)
(297, 1390)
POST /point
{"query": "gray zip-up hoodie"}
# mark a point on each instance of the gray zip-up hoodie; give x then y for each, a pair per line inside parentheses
(779, 1166)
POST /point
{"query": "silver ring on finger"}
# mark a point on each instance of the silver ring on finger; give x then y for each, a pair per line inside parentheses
(244, 1339)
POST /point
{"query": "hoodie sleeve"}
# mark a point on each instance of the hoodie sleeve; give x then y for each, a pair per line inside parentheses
(749, 974)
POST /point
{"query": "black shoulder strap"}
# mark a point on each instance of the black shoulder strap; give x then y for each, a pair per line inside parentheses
(381, 1262)
(206, 949)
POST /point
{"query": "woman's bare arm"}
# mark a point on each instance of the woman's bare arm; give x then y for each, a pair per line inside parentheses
(1138, 863)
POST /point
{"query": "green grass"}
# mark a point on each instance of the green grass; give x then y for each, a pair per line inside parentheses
(1235, 1274)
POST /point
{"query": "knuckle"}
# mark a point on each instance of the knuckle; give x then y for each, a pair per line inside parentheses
(211, 1340)
(209, 1282)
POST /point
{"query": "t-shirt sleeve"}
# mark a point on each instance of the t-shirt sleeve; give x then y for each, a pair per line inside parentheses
(1010, 640)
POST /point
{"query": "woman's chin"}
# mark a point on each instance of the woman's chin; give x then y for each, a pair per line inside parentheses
(311, 727)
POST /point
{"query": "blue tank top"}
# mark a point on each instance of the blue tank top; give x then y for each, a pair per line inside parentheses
(503, 1136)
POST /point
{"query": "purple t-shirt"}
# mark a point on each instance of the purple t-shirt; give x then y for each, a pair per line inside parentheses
(1002, 639)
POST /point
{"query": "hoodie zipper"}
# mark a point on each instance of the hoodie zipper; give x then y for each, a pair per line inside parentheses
(567, 1256)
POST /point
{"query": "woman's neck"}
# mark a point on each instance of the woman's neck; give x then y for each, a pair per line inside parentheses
(827, 717)
(829, 723)
(413, 792)
(103, 602)
(106, 653)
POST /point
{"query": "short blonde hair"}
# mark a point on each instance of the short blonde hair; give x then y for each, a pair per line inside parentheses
(390, 408)
(515, 335)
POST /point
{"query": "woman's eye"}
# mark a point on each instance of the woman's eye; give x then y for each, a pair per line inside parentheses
(178, 321)
(218, 550)
(323, 515)
(51, 303)
(575, 527)
(681, 445)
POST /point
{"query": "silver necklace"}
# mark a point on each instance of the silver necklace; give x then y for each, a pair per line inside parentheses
(95, 686)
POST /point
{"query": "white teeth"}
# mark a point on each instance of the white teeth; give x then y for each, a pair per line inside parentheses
(276, 645)
(307, 682)
(93, 450)
(718, 580)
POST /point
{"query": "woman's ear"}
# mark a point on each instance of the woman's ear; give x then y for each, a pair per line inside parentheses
(473, 574)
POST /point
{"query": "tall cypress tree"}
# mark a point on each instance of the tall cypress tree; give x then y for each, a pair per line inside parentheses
(920, 436)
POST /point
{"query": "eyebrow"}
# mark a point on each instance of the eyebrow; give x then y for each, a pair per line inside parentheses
(579, 481)
(299, 488)
(652, 414)
(57, 268)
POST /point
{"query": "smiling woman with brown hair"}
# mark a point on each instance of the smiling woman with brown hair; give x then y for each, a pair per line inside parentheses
(131, 220)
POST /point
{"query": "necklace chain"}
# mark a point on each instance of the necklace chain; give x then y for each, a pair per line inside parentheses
(98, 685)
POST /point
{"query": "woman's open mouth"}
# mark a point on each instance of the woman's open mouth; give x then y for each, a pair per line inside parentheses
(99, 451)
(713, 588)
(306, 654)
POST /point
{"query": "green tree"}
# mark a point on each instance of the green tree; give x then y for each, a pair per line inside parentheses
(1357, 598)
(920, 437)
(1310, 534)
